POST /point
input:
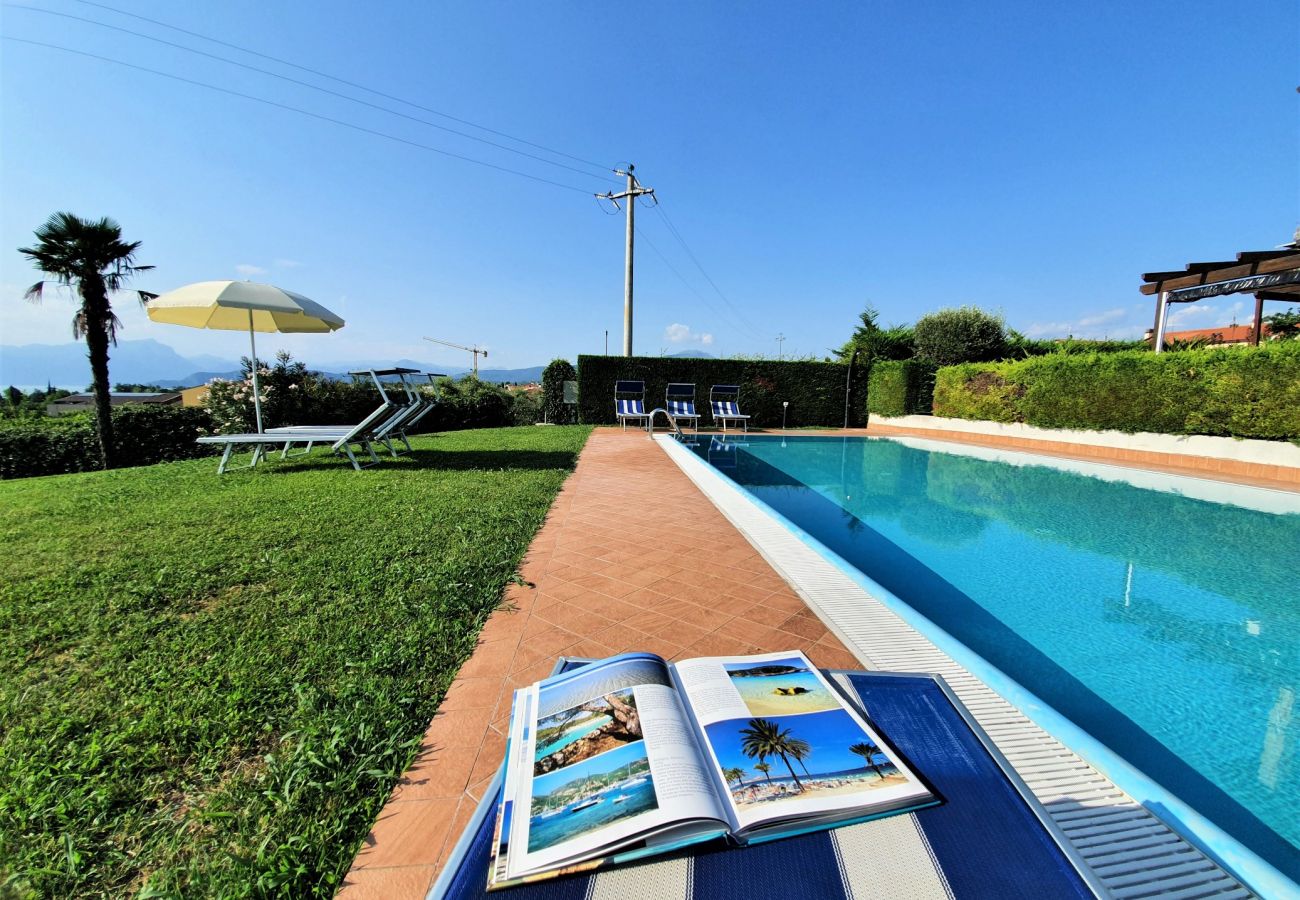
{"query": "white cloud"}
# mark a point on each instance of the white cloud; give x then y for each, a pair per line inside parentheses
(678, 333)
(1206, 315)
(1108, 323)
(249, 269)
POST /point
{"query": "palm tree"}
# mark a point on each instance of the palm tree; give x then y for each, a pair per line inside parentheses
(867, 751)
(93, 258)
(734, 774)
(764, 738)
(799, 750)
(765, 769)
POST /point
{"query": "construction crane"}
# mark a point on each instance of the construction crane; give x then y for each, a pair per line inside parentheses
(474, 352)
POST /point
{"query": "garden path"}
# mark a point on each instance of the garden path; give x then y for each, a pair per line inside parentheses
(632, 557)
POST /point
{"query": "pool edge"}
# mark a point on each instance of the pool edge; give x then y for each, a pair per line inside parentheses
(740, 507)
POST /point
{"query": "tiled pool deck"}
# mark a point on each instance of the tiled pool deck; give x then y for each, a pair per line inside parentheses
(633, 556)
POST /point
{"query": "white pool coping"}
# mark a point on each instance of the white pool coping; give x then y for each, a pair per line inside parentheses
(1244, 450)
(1098, 800)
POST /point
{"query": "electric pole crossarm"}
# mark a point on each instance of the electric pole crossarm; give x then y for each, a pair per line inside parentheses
(633, 190)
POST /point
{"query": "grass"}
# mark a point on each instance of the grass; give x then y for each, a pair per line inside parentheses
(208, 686)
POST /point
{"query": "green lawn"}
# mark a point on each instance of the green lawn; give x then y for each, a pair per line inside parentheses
(209, 685)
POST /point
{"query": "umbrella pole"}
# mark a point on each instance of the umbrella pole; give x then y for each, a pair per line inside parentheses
(257, 390)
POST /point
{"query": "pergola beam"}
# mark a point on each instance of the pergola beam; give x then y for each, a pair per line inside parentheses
(1160, 281)
(1249, 273)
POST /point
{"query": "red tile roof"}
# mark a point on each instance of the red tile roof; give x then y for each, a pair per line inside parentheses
(1223, 334)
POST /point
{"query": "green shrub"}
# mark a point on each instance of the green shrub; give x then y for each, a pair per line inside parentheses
(875, 343)
(468, 403)
(975, 391)
(525, 407)
(553, 377)
(900, 387)
(815, 390)
(966, 334)
(1232, 391)
(144, 435)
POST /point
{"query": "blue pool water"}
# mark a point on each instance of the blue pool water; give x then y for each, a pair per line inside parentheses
(1166, 627)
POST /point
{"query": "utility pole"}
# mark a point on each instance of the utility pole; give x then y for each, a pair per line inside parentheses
(607, 342)
(633, 190)
(780, 346)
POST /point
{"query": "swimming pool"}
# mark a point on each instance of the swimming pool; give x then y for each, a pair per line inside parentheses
(1165, 626)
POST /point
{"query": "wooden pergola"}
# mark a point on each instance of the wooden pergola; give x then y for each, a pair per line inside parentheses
(1268, 274)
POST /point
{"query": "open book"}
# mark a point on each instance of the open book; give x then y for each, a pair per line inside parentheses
(633, 756)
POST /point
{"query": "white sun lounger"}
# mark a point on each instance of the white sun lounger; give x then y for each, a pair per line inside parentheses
(378, 426)
(358, 436)
(403, 414)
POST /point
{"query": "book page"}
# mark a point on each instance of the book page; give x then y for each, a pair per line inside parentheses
(606, 756)
(786, 744)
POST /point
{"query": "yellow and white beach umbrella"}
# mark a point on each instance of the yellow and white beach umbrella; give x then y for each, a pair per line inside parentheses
(242, 306)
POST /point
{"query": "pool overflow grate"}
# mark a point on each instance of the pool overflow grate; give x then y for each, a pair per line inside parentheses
(1131, 853)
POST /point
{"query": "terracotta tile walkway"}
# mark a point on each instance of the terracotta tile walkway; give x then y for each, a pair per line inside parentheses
(632, 557)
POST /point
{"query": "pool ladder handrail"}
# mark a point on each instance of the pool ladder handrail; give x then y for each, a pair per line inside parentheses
(650, 421)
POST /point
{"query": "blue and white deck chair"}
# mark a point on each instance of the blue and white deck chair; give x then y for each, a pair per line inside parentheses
(629, 402)
(723, 400)
(680, 400)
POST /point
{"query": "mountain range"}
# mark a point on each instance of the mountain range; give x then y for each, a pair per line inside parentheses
(150, 362)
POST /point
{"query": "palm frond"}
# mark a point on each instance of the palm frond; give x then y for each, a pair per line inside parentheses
(36, 292)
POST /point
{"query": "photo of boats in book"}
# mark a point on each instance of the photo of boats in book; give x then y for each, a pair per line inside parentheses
(590, 795)
(770, 760)
(780, 687)
(590, 728)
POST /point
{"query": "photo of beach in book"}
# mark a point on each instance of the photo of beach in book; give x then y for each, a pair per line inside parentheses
(634, 756)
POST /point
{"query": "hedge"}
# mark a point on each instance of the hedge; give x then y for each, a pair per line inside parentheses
(1249, 392)
(143, 434)
(553, 377)
(815, 390)
(900, 387)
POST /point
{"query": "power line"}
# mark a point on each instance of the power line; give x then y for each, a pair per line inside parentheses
(306, 84)
(335, 78)
(682, 241)
(300, 111)
(713, 307)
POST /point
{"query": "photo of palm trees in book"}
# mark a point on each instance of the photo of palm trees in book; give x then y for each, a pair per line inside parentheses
(635, 756)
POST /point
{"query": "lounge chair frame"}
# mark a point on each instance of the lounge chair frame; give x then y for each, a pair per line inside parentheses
(379, 426)
(724, 405)
(629, 403)
(679, 398)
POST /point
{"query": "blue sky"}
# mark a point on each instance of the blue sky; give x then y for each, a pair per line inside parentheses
(1031, 158)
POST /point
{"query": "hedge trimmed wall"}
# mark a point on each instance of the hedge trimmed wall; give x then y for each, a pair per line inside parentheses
(1248, 392)
(900, 387)
(815, 389)
(144, 435)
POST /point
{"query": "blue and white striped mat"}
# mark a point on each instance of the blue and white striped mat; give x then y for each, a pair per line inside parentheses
(987, 840)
